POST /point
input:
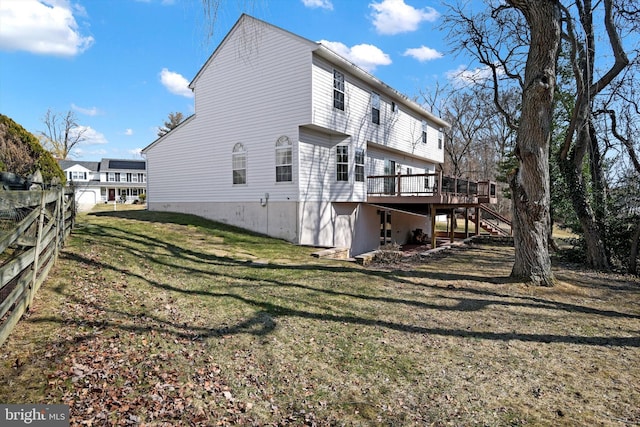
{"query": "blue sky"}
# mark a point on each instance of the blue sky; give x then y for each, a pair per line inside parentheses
(123, 65)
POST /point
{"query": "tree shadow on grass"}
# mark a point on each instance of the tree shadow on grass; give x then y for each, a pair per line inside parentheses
(402, 276)
(267, 312)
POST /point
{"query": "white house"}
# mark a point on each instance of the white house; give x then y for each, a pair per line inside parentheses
(291, 140)
(109, 180)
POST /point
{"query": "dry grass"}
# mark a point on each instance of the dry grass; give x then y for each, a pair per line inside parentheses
(161, 319)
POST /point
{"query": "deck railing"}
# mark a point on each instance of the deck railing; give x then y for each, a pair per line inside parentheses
(428, 184)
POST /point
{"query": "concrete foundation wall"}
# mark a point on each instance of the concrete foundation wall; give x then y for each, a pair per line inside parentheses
(276, 219)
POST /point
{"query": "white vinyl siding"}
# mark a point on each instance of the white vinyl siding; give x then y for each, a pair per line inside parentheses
(230, 98)
(400, 129)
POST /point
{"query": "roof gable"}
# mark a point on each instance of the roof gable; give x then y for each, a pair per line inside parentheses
(242, 25)
(84, 166)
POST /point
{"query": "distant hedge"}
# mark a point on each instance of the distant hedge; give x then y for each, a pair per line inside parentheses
(21, 153)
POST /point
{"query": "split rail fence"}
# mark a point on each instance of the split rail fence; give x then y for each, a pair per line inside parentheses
(33, 228)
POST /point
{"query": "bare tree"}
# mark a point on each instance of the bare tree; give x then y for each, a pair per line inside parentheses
(62, 133)
(518, 44)
(173, 121)
(581, 139)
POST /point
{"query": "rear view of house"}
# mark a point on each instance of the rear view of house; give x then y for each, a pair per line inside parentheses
(291, 140)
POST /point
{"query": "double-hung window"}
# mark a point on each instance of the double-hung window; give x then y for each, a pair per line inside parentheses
(239, 164)
(77, 176)
(342, 163)
(338, 90)
(359, 161)
(424, 131)
(375, 108)
(440, 138)
(283, 160)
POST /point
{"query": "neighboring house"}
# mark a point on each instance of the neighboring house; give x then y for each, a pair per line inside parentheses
(291, 140)
(109, 180)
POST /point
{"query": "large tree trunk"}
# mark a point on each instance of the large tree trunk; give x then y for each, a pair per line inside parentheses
(530, 184)
(583, 53)
(572, 170)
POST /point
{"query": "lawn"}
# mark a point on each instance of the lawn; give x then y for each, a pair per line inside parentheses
(165, 319)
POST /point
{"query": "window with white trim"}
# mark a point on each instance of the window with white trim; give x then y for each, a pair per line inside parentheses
(359, 161)
(284, 160)
(239, 164)
(342, 163)
(77, 176)
(338, 90)
(375, 108)
(440, 139)
(424, 131)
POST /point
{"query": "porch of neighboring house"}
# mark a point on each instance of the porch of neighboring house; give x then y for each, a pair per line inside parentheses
(462, 203)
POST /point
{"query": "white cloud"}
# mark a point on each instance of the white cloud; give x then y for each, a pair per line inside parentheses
(395, 16)
(90, 136)
(324, 4)
(136, 152)
(128, 132)
(44, 27)
(462, 76)
(423, 53)
(366, 56)
(175, 83)
(93, 111)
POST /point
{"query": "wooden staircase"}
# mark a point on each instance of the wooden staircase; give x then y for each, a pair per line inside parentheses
(491, 221)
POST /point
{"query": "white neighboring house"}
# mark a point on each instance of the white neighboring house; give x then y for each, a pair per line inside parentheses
(291, 140)
(109, 180)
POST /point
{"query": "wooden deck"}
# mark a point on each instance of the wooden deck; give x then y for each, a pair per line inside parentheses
(432, 194)
(429, 189)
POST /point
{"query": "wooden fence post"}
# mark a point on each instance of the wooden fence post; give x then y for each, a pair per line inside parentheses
(34, 279)
(59, 221)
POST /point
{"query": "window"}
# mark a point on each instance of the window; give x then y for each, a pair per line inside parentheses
(239, 164)
(128, 177)
(375, 108)
(338, 90)
(142, 177)
(77, 176)
(394, 108)
(342, 163)
(424, 132)
(283, 160)
(112, 177)
(117, 176)
(359, 159)
(440, 139)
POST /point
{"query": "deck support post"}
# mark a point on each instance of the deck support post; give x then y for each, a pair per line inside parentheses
(433, 226)
(453, 225)
(477, 220)
(466, 222)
